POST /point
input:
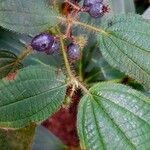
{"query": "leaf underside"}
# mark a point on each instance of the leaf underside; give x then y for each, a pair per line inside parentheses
(34, 94)
(27, 16)
(114, 117)
(127, 47)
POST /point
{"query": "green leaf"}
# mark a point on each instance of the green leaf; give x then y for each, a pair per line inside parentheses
(7, 61)
(35, 94)
(13, 41)
(114, 116)
(127, 46)
(20, 139)
(27, 16)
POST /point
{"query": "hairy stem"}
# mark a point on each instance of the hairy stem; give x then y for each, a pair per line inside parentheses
(73, 5)
(65, 57)
(83, 88)
(90, 27)
(71, 76)
(67, 65)
(87, 26)
(81, 70)
(68, 30)
(72, 79)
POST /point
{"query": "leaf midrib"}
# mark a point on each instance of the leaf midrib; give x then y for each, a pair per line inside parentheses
(32, 115)
(127, 57)
(27, 98)
(97, 128)
(116, 126)
(125, 109)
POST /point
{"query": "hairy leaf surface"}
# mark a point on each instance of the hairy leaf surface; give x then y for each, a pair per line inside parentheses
(34, 94)
(115, 117)
(27, 16)
(126, 46)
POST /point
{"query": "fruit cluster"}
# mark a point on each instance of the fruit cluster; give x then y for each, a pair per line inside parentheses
(95, 8)
(47, 43)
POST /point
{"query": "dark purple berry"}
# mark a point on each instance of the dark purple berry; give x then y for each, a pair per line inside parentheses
(54, 48)
(74, 52)
(89, 3)
(42, 42)
(96, 10)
